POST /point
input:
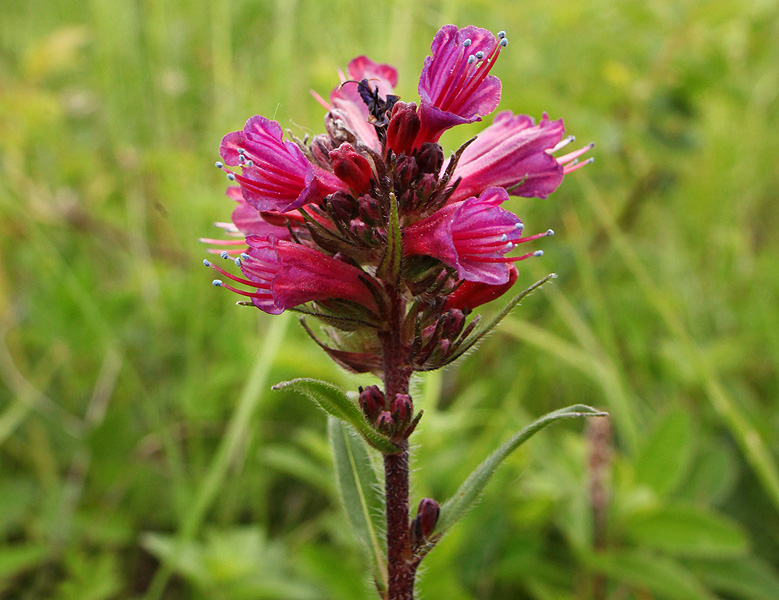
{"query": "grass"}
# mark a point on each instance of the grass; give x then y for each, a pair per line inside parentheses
(143, 455)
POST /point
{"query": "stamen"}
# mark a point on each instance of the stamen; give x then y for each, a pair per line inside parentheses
(231, 176)
(248, 282)
(504, 42)
(241, 150)
(562, 144)
(504, 238)
(206, 263)
(467, 43)
(238, 262)
(501, 34)
(575, 166)
(538, 253)
(217, 283)
(224, 255)
(249, 163)
(575, 154)
(219, 164)
(319, 99)
(471, 59)
(245, 256)
(479, 55)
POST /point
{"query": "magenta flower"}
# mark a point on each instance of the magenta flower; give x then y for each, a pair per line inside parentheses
(455, 86)
(347, 105)
(472, 236)
(276, 175)
(286, 274)
(515, 154)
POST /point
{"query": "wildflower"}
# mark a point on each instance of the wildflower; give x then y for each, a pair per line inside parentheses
(276, 175)
(286, 275)
(472, 236)
(516, 154)
(455, 86)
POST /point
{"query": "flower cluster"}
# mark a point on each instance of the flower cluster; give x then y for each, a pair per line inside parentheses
(370, 228)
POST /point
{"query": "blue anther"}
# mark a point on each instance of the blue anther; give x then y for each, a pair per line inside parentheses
(467, 43)
(245, 256)
(219, 164)
(231, 176)
(224, 254)
(206, 263)
(217, 283)
(538, 253)
(238, 262)
(504, 42)
(479, 55)
(550, 232)
(501, 34)
(520, 225)
(504, 238)
(241, 151)
(471, 59)
(241, 158)
(249, 163)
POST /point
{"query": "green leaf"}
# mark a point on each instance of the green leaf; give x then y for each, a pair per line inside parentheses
(476, 337)
(687, 531)
(748, 578)
(16, 559)
(358, 485)
(336, 403)
(665, 457)
(469, 491)
(389, 267)
(660, 575)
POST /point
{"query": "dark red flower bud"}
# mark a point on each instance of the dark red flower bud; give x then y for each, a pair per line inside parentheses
(403, 128)
(352, 168)
(402, 409)
(371, 402)
(425, 188)
(369, 210)
(430, 158)
(473, 293)
(342, 206)
(321, 146)
(427, 513)
(384, 422)
(453, 323)
(408, 171)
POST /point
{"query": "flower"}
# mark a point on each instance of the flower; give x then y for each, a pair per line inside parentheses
(472, 236)
(516, 154)
(276, 175)
(286, 274)
(455, 86)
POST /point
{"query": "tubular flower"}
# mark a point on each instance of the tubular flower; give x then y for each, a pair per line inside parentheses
(346, 101)
(455, 86)
(286, 275)
(276, 174)
(472, 236)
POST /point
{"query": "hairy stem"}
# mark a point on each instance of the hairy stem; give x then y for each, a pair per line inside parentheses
(400, 561)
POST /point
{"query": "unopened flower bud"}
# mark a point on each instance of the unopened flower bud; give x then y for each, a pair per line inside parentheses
(352, 168)
(403, 128)
(407, 170)
(342, 206)
(369, 210)
(402, 408)
(371, 401)
(427, 513)
(430, 158)
(384, 422)
(321, 146)
(453, 323)
(425, 188)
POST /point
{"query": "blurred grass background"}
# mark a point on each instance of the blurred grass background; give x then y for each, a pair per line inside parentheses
(141, 451)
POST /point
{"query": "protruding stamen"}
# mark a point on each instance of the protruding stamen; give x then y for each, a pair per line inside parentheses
(217, 283)
(471, 59)
(219, 164)
(241, 150)
(550, 232)
(467, 42)
(504, 42)
(575, 154)
(206, 263)
(249, 163)
(238, 262)
(520, 226)
(231, 176)
(504, 238)
(538, 253)
(224, 255)
(241, 158)
(479, 55)
(245, 256)
(501, 34)
(562, 144)
(575, 166)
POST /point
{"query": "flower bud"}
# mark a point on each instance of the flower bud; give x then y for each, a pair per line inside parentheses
(384, 422)
(408, 171)
(371, 402)
(321, 146)
(369, 210)
(453, 323)
(403, 128)
(402, 409)
(430, 158)
(425, 188)
(342, 206)
(352, 168)
(427, 513)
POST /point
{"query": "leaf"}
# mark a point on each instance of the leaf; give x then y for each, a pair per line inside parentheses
(358, 485)
(476, 337)
(748, 578)
(18, 558)
(389, 267)
(662, 576)
(687, 531)
(664, 459)
(336, 403)
(469, 491)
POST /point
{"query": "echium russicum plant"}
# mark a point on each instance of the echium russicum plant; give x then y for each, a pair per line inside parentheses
(371, 230)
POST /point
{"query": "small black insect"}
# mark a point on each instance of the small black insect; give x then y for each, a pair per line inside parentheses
(379, 109)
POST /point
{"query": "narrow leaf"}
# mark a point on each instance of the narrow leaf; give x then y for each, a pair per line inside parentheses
(476, 337)
(389, 267)
(358, 484)
(469, 491)
(336, 403)
(749, 578)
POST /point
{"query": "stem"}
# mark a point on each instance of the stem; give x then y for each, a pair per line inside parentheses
(400, 564)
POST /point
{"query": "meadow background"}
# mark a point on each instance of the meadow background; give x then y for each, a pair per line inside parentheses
(142, 454)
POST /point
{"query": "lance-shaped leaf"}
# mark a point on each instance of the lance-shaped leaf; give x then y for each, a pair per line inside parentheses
(336, 403)
(469, 491)
(389, 267)
(358, 484)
